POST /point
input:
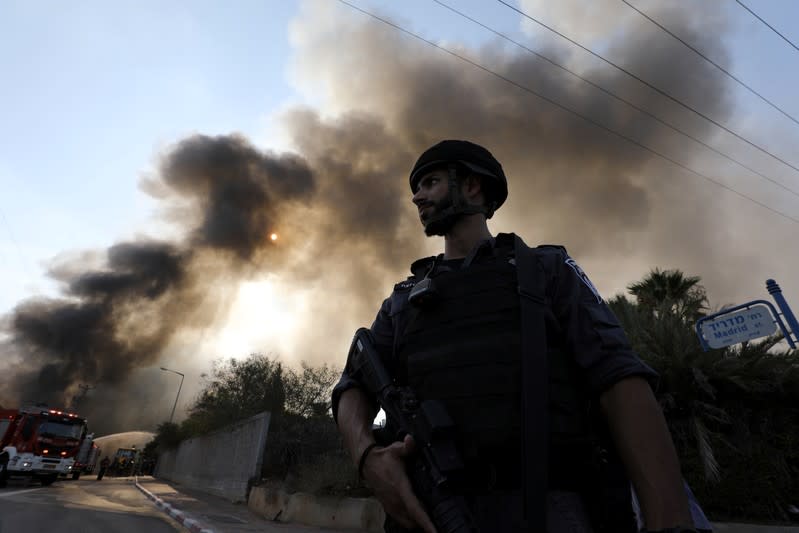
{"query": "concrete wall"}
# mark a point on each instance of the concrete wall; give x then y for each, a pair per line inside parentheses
(223, 462)
(360, 514)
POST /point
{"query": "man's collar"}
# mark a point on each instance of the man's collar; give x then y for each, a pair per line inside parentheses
(502, 240)
(421, 266)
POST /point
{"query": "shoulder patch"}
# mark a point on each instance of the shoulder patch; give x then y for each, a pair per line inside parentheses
(405, 285)
(583, 277)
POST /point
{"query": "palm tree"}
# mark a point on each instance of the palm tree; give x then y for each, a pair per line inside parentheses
(682, 294)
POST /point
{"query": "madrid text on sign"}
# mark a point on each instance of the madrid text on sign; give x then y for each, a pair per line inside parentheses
(741, 326)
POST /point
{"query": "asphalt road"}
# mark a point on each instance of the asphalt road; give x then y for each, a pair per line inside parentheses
(86, 505)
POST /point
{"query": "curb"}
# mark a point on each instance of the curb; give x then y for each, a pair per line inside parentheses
(179, 516)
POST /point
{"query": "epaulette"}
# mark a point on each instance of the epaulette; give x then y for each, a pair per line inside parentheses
(507, 240)
(551, 255)
(504, 240)
(405, 285)
(552, 248)
(418, 269)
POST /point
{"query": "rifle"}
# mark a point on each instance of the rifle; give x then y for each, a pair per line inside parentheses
(430, 425)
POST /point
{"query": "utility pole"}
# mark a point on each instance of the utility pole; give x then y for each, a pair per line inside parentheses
(77, 398)
(179, 388)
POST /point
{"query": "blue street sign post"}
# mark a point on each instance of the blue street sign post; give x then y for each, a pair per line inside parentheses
(776, 293)
(748, 321)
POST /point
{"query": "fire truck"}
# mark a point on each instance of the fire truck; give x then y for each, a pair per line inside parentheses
(86, 459)
(39, 442)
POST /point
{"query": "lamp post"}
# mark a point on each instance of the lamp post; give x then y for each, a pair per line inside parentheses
(178, 395)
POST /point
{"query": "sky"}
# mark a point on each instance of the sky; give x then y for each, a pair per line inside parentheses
(125, 125)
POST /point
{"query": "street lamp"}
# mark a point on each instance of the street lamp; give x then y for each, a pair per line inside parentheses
(178, 396)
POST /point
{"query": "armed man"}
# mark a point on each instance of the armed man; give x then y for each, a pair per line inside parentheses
(553, 413)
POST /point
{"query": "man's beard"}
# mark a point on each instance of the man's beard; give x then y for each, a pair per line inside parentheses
(437, 224)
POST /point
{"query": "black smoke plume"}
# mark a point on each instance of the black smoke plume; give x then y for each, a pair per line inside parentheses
(120, 317)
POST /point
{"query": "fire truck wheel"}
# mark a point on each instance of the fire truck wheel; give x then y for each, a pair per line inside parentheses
(76, 475)
(49, 479)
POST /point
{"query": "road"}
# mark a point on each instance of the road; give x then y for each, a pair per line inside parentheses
(116, 505)
(67, 506)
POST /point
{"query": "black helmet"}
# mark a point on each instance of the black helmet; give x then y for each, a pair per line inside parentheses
(472, 156)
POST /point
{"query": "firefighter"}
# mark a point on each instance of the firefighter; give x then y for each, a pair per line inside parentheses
(103, 467)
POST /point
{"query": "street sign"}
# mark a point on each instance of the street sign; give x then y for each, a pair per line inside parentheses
(744, 325)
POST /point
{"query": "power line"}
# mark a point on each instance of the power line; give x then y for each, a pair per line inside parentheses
(619, 98)
(573, 112)
(656, 89)
(767, 24)
(703, 56)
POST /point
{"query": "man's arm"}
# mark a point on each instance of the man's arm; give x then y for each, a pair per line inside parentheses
(355, 416)
(644, 444)
(622, 381)
(384, 468)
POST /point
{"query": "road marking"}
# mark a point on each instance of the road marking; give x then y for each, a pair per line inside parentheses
(7, 494)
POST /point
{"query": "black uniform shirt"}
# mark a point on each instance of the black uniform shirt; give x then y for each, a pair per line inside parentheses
(590, 331)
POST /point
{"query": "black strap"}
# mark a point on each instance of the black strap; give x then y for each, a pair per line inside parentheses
(535, 384)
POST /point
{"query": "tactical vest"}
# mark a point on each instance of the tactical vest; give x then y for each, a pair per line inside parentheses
(464, 348)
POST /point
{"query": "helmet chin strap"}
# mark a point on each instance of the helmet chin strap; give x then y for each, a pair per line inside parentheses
(456, 207)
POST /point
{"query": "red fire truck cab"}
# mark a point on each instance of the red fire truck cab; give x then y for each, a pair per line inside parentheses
(39, 442)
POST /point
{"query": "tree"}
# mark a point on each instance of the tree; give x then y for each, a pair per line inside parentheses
(684, 296)
(308, 392)
(168, 435)
(238, 389)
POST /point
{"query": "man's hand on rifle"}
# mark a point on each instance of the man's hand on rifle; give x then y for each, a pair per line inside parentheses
(384, 471)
